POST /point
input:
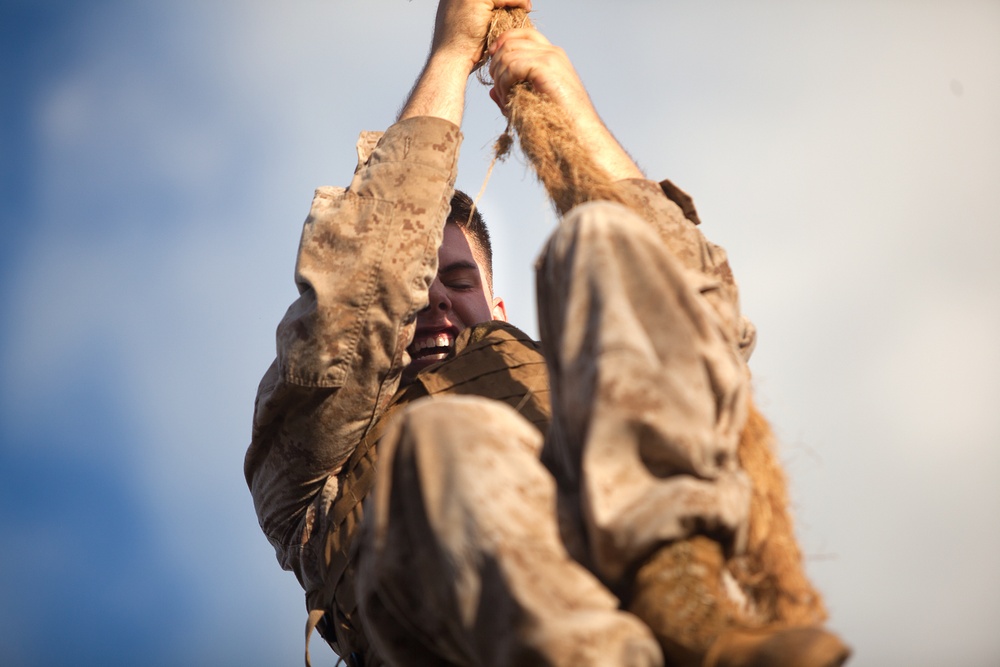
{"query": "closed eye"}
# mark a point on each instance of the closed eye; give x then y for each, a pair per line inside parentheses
(460, 276)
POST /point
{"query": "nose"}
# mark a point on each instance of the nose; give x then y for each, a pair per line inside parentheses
(438, 297)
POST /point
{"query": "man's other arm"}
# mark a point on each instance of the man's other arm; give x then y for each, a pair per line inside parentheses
(526, 55)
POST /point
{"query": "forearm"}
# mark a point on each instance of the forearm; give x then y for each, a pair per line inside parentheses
(440, 90)
(369, 254)
(366, 259)
(604, 147)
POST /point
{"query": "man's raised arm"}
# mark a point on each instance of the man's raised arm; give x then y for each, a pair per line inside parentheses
(525, 55)
(366, 259)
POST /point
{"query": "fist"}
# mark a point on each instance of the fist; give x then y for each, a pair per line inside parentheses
(461, 25)
(524, 54)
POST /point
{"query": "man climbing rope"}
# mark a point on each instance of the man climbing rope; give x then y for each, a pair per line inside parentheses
(447, 491)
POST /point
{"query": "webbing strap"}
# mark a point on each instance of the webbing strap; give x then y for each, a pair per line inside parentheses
(315, 616)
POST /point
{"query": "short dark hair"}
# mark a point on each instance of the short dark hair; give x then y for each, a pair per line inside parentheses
(465, 214)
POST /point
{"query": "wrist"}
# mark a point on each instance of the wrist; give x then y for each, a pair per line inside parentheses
(456, 61)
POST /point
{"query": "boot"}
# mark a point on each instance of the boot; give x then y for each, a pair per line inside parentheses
(809, 647)
(701, 618)
(679, 593)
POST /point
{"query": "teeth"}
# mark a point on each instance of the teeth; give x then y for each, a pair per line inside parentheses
(440, 340)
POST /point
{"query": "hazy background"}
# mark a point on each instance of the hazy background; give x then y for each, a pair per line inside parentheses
(158, 159)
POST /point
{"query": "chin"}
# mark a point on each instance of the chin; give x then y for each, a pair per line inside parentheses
(417, 365)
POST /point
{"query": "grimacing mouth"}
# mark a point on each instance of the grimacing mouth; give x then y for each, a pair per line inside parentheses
(432, 345)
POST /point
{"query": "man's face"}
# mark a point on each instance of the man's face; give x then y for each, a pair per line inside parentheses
(459, 298)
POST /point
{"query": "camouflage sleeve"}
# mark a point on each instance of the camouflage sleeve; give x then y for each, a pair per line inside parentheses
(366, 259)
(671, 211)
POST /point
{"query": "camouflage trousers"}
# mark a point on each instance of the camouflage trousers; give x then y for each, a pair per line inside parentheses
(488, 544)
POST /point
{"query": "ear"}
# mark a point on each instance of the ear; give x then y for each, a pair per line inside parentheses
(499, 309)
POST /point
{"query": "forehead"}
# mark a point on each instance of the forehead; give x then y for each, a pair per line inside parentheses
(456, 247)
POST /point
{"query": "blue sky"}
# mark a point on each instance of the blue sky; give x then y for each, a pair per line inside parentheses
(157, 160)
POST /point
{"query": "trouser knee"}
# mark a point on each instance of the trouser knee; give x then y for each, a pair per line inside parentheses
(449, 426)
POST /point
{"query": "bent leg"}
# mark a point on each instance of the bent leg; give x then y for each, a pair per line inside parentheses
(461, 553)
(649, 398)
(649, 395)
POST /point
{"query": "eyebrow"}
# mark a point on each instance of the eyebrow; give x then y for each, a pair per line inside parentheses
(460, 265)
